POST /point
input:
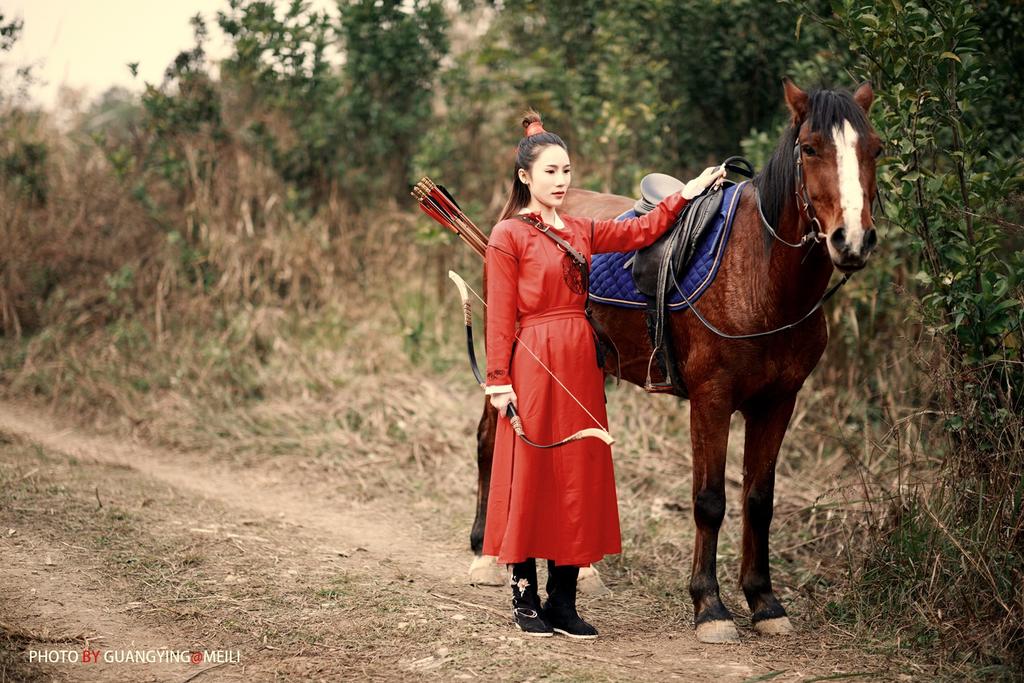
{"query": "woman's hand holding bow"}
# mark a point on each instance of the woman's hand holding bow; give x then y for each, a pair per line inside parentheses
(501, 401)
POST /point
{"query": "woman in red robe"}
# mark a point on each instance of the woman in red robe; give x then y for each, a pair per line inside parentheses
(556, 503)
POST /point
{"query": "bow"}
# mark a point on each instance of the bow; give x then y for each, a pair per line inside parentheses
(517, 423)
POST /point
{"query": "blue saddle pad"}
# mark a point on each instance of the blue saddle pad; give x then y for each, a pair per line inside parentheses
(612, 283)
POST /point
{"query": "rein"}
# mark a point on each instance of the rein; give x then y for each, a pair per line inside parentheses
(828, 295)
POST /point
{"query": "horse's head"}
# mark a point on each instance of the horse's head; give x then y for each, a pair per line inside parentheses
(834, 149)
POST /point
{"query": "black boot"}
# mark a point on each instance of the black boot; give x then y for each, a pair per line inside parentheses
(526, 600)
(560, 608)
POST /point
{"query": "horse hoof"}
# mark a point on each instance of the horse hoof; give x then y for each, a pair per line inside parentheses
(718, 631)
(484, 571)
(779, 626)
(589, 582)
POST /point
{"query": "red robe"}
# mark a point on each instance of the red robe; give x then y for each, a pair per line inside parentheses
(556, 503)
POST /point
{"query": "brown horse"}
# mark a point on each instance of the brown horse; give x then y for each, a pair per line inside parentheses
(815, 195)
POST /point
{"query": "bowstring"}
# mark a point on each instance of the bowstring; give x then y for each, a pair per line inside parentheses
(553, 376)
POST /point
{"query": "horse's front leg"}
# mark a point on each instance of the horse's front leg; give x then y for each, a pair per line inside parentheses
(484, 569)
(709, 431)
(766, 423)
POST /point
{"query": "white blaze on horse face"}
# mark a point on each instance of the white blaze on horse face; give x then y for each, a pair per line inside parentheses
(851, 196)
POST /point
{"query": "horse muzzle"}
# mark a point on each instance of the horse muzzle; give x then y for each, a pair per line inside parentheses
(849, 253)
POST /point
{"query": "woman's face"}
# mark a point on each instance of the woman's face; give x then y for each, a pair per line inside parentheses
(549, 176)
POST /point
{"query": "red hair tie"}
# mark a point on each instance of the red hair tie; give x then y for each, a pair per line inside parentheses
(534, 129)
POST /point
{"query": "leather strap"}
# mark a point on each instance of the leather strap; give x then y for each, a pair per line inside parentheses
(741, 165)
(600, 333)
(576, 256)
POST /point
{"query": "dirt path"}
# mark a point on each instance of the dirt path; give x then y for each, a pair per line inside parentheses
(114, 546)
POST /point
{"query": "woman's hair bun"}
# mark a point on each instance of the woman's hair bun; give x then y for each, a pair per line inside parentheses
(531, 123)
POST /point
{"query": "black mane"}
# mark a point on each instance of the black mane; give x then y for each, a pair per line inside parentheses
(776, 183)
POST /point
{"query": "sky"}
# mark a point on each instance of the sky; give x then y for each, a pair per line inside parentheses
(88, 43)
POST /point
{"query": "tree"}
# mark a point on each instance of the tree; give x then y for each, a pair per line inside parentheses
(392, 53)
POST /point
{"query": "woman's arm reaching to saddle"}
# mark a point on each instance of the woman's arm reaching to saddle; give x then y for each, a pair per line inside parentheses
(634, 233)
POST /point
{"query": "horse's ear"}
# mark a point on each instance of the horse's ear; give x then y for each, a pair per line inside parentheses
(796, 100)
(864, 96)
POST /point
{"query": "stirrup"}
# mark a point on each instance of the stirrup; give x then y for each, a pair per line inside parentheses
(650, 387)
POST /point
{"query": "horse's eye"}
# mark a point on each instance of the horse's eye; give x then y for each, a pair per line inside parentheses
(808, 150)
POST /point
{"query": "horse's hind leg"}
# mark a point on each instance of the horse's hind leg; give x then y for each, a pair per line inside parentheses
(766, 423)
(484, 569)
(485, 432)
(709, 426)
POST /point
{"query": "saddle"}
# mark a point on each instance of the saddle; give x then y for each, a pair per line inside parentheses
(654, 188)
(655, 267)
(651, 263)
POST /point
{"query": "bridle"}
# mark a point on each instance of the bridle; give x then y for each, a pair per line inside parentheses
(804, 200)
(814, 232)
